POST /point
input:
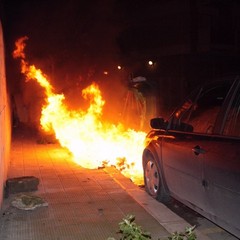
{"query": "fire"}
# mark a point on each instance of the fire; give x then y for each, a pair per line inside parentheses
(92, 142)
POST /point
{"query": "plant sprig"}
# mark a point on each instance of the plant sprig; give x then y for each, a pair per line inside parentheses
(129, 230)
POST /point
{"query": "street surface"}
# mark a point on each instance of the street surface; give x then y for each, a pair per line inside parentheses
(205, 226)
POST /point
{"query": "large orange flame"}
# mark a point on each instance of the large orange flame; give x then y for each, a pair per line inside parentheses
(92, 142)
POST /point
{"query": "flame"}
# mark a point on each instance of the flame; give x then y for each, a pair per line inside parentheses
(92, 142)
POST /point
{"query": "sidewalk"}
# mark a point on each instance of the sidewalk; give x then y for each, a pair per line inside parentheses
(82, 203)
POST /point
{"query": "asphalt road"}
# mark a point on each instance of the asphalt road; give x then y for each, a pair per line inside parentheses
(205, 226)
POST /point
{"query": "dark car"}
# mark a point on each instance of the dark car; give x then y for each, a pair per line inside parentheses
(194, 156)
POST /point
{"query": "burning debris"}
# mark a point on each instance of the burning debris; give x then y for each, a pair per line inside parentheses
(91, 141)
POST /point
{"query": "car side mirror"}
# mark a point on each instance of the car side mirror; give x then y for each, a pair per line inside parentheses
(158, 123)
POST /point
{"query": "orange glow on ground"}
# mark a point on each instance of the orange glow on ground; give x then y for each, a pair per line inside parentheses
(92, 142)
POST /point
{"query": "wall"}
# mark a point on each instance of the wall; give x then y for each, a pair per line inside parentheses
(5, 121)
(189, 41)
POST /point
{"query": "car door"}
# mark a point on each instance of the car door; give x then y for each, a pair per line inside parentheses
(183, 168)
(222, 182)
(222, 169)
(184, 153)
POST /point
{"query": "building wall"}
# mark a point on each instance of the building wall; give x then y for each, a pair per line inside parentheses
(189, 41)
(5, 121)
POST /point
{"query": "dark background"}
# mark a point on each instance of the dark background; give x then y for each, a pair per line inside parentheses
(74, 42)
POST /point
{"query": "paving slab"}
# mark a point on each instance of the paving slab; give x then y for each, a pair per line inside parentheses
(82, 203)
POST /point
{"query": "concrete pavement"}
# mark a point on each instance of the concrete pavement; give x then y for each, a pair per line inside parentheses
(82, 203)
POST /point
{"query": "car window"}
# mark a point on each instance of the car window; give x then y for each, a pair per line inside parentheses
(201, 112)
(232, 124)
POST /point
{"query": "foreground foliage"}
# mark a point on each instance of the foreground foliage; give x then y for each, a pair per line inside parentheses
(129, 230)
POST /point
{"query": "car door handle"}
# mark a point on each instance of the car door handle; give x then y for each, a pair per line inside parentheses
(198, 150)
